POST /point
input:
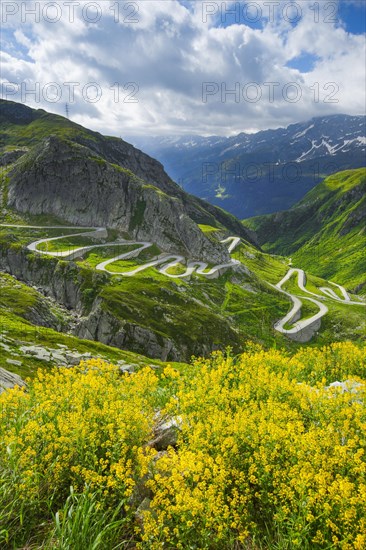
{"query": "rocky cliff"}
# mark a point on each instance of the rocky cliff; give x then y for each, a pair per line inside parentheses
(85, 178)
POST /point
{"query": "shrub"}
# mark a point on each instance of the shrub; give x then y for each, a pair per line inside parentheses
(265, 458)
(82, 427)
(268, 455)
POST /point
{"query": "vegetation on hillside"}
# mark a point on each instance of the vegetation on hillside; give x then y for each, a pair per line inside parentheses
(197, 314)
(268, 455)
(325, 232)
(23, 144)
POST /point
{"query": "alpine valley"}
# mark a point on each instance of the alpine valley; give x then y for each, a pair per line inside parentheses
(103, 254)
(183, 275)
(253, 174)
(112, 277)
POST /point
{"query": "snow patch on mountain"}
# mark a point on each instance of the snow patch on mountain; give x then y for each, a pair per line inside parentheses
(301, 134)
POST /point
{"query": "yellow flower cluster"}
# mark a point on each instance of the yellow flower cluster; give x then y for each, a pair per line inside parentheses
(269, 454)
(264, 456)
(79, 427)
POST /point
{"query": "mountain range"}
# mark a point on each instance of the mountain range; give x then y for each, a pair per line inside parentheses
(254, 174)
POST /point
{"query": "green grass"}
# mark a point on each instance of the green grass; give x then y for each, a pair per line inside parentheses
(196, 315)
(264, 266)
(18, 332)
(177, 269)
(80, 524)
(341, 259)
(325, 232)
(67, 244)
(207, 228)
(95, 256)
(16, 296)
(43, 125)
(17, 302)
(121, 266)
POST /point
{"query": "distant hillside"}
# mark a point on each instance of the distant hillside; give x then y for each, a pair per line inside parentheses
(325, 232)
(255, 174)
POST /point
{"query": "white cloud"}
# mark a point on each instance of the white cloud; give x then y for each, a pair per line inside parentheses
(164, 59)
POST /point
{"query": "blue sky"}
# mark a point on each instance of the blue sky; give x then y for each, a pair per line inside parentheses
(353, 15)
(185, 67)
(350, 13)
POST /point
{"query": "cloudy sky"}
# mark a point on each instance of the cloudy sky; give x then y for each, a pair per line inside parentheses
(149, 67)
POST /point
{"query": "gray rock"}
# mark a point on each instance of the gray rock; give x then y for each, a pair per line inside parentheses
(11, 156)
(9, 380)
(109, 196)
(249, 255)
(73, 359)
(62, 281)
(102, 326)
(127, 368)
(166, 434)
(14, 362)
(139, 514)
(350, 386)
(5, 347)
(36, 351)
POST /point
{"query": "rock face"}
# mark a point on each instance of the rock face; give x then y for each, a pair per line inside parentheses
(85, 178)
(63, 283)
(104, 327)
(166, 433)
(65, 180)
(11, 156)
(58, 280)
(9, 380)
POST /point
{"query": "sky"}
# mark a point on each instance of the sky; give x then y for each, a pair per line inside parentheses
(181, 67)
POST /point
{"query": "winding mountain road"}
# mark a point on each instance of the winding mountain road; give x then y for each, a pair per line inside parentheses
(302, 330)
(101, 232)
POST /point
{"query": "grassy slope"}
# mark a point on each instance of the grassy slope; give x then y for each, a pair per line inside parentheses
(325, 232)
(42, 125)
(193, 313)
(201, 312)
(17, 301)
(218, 312)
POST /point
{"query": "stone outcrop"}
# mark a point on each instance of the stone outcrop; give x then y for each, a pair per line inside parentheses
(63, 282)
(67, 181)
(11, 156)
(9, 380)
(104, 150)
(166, 433)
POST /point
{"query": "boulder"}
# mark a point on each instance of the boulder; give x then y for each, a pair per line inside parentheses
(166, 434)
(9, 380)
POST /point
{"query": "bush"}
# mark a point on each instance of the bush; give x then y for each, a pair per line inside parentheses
(265, 458)
(82, 427)
(268, 455)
